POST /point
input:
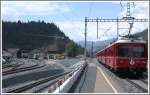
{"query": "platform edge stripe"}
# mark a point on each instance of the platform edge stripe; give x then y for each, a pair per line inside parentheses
(113, 88)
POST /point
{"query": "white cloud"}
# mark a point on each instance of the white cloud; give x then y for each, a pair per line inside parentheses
(139, 12)
(75, 29)
(109, 30)
(20, 8)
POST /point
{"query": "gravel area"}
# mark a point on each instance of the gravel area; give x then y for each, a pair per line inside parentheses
(68, 62)
(31, 75)
(50, 68)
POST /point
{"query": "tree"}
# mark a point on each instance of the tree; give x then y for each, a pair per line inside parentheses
(26, 35)
(72, 49)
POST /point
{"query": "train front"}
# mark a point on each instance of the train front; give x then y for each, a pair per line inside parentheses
(132, 56)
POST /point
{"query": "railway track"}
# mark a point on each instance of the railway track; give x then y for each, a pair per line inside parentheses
(144, 77)
(11, 65)
(137, 86)
(21, 69)
(37, 83)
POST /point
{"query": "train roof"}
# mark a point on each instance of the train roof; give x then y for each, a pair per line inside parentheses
(128, 40)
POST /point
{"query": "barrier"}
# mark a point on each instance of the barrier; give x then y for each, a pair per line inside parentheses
(65, 87)
(64, 84)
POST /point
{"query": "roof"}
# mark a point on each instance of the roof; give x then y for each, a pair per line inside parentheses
(36, 51)
(5, 53)
(54, 52)
(130, 40)
(24, 51)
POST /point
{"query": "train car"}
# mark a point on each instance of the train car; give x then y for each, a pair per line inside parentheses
(125, 55)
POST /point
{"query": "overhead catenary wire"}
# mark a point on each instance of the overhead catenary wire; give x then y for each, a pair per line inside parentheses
(106, 30)
(128, 14)
(67, 18)
(75, 14)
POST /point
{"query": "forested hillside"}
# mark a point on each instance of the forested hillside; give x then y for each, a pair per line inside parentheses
(31, 35)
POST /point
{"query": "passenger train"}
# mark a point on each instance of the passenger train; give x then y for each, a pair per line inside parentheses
(125, 55)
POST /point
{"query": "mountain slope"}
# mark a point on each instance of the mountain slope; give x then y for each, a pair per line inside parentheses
(97, 45)
(143, 34)
(32, 35)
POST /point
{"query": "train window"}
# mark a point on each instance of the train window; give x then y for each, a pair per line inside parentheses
(138, 51)
(125, 52)
(131, 51)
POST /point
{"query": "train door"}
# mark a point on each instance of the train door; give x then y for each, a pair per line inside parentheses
(114, 55)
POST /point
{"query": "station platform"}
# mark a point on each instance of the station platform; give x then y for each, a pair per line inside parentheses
(95, 80)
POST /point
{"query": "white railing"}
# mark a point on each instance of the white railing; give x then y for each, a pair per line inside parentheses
(65, 83)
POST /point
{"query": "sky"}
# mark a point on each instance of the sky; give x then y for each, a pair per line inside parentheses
(69, 16)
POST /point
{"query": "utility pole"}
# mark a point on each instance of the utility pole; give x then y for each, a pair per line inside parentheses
(97, 27)
(117, 29)
(85, 38)
(124, 19)
(127, 18)
(128, 10)
(92, 50)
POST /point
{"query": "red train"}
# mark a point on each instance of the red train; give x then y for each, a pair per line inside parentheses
(125, 55)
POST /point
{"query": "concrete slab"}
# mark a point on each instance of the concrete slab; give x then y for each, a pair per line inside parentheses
(93, 81)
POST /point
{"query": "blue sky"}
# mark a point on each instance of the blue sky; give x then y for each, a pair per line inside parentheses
(80, 9)
(69, 16)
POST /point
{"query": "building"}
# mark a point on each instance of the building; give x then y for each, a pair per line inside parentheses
(36, 54)
(6, 54)
(12, 51)
(23, 53)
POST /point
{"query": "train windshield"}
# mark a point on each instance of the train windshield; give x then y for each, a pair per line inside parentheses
(128, 51)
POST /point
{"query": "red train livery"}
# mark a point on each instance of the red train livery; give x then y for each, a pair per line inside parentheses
(125, 55)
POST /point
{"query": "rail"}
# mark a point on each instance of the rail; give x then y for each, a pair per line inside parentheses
(128, 84)
(21, 69)
(137, 86)
(36, 83)
(10, 65)
(52, 83)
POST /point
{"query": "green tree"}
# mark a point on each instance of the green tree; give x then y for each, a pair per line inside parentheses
(26, 35)
(72, 49)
